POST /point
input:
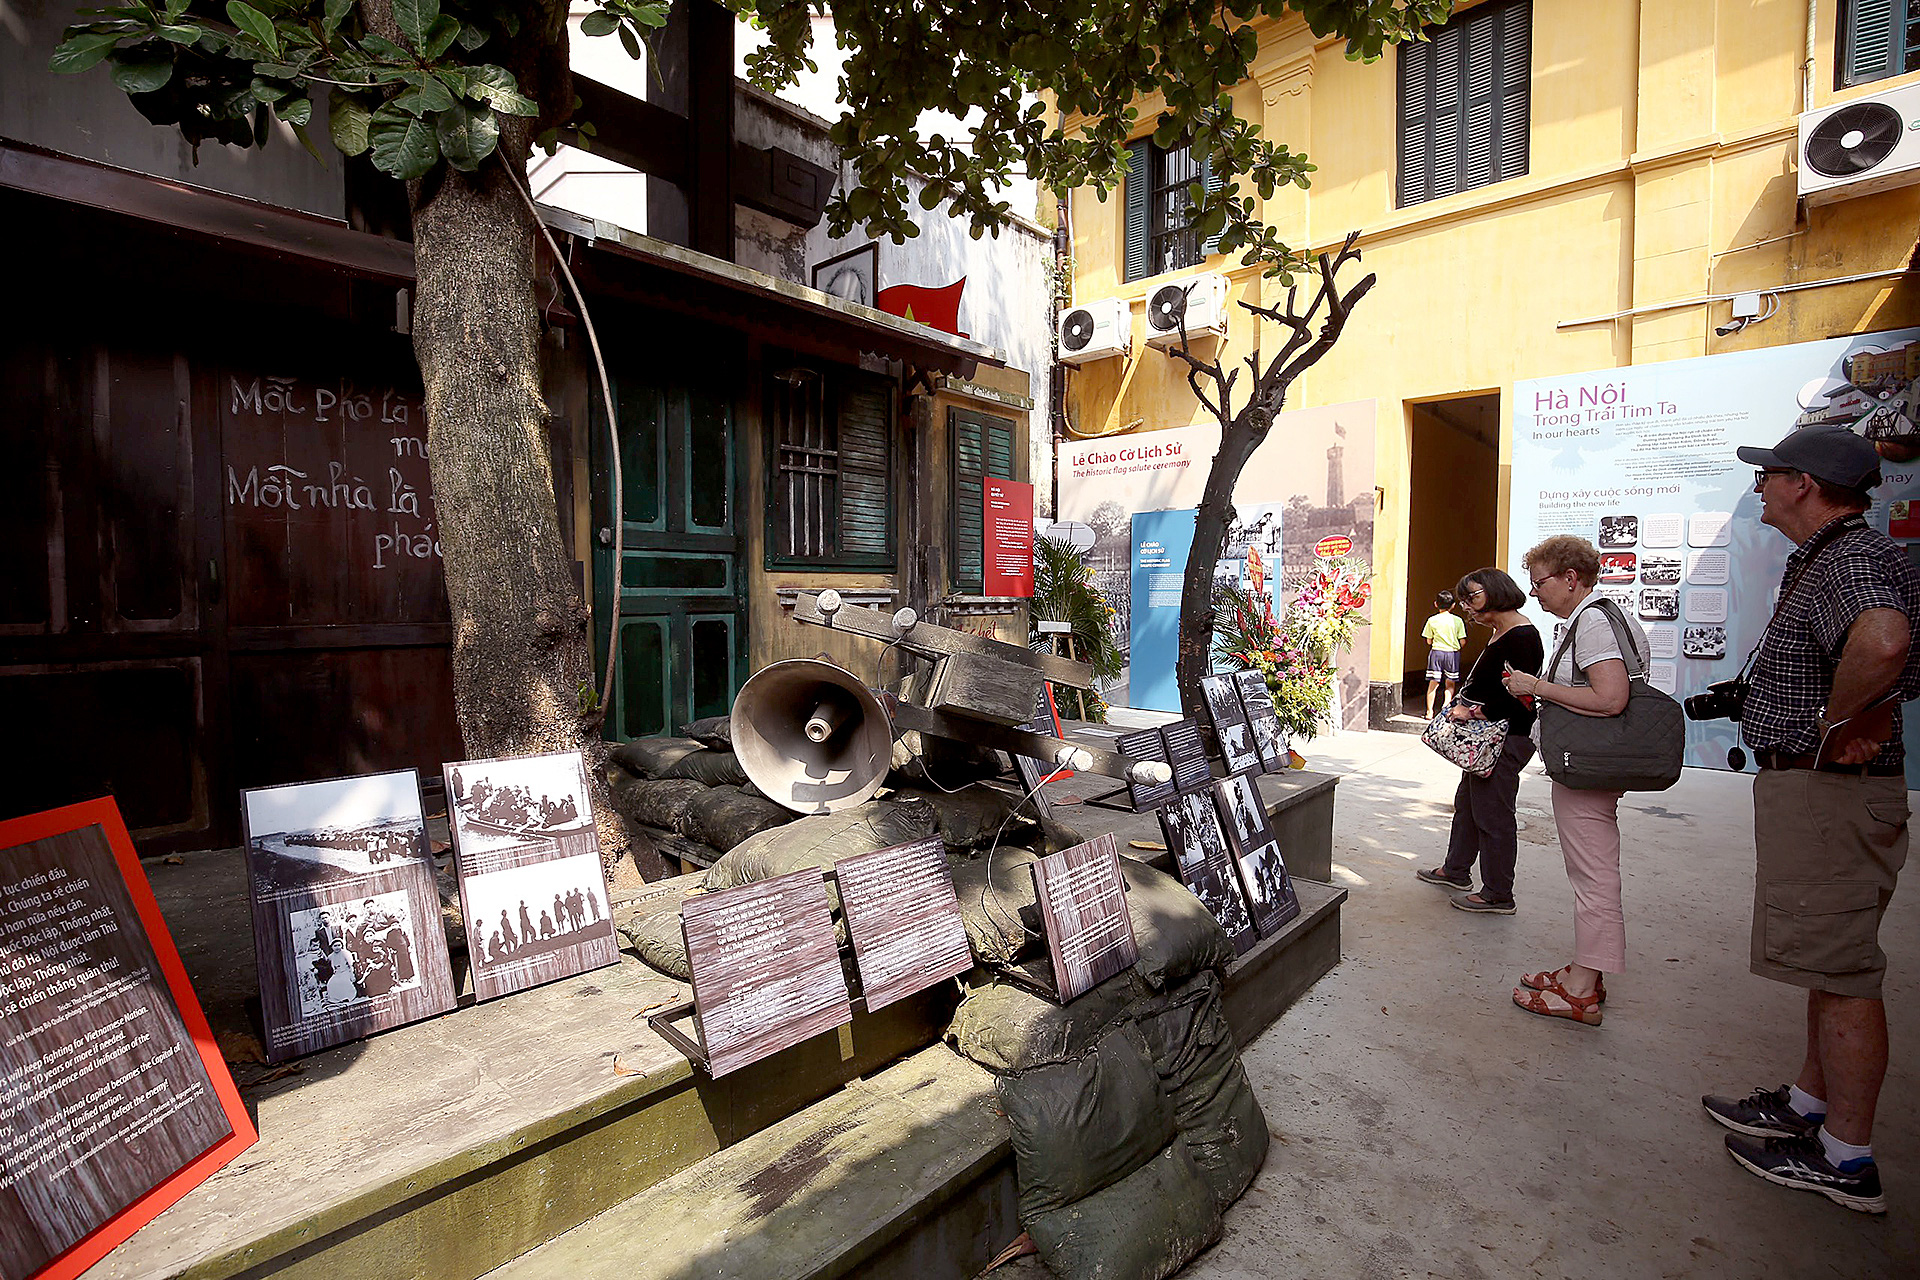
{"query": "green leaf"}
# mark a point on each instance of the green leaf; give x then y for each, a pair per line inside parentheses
(650, 15)
(630, 42)
(348, 124)
(295, 111)
(472, 37)
(175, 8)
(415, 18)
(440, 35)
(336, 13)
(143, 73)
(179, 33)
(598, 23)
(381, 47)
(425, 96)
(467, 135)
(267, 91)
(82, 52)
(306, 140)
(496, 87)
(402, 145)
(255, 24)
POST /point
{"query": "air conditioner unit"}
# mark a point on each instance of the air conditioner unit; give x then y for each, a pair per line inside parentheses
(1859, 147)
(1096, 330)
(1201, 300)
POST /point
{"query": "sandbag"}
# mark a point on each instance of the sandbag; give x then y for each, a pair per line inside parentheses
(713, 731)
(714, 768)
(650, 757)
(1082, 1125)
(1144, 1227)
(1005, 1028)
(947, 762)
(666, 803)
(1177, 936)
(725, 816)
(822, 840)
(1214, 1106)
(1001, 917)
(973, 816)
(651, 924)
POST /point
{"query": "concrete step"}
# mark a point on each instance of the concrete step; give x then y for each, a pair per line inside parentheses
(857, 1181)
(1403, 724)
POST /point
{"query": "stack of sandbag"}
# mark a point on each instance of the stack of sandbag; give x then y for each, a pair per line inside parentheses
(1134, 1124)
(650, 924)
(692, 789)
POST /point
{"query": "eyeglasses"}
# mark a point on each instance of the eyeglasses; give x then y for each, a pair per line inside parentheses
(1549, 578)
(1760, 476)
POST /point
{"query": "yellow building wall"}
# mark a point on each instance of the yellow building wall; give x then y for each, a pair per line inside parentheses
(1662, 157)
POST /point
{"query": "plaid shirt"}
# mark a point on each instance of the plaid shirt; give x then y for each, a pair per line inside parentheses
(1859, 569)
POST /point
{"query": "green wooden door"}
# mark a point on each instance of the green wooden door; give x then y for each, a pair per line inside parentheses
(680, 623)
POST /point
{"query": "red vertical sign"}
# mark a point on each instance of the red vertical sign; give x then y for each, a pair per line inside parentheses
(1009, 538)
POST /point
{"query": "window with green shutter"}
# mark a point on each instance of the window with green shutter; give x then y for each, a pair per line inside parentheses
(829, 468)
(1876, 39)
(1158, 235)
(1465, 99)
(982, 446)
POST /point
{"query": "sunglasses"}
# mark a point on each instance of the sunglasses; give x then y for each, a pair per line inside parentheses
(1760, 476)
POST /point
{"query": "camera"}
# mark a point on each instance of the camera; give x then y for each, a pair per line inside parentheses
(1723, 700)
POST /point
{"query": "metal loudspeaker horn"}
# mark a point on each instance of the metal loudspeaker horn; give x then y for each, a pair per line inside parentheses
(812, 735)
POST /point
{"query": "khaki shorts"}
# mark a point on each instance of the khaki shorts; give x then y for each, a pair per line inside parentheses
(1828, 849)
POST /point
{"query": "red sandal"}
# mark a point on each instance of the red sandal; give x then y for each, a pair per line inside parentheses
(1552, 1001)
(1552, 977)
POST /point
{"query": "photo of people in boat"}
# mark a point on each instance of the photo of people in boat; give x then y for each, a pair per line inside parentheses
(534, 910)
(311, 833)
(351, 952)
(523, 808)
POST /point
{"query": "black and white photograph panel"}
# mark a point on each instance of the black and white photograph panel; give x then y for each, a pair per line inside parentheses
(1704, 641)
(350, 953)
(507, 803)
(539, 909)
(1619, 531)
(311, 833)
(1660, 606)
(1240, 805)
(1659, 571)
(1205, 864)
(1269, 888)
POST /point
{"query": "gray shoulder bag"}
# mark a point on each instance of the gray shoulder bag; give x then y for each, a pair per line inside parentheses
(1638, 750)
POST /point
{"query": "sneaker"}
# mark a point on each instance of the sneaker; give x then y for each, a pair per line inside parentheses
(1433, 876)
(1466, 902)
(1801, 1163)
(1764, 1113)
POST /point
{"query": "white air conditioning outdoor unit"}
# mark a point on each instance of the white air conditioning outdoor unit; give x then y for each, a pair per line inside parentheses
(1201, 300)
(1096, 330)
(1859, 147)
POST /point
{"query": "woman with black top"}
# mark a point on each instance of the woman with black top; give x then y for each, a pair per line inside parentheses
(1483, 821)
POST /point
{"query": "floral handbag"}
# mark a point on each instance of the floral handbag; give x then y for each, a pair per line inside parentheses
(1473, 745)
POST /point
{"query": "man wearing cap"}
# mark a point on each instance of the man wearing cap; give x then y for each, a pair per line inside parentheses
(1829, 808)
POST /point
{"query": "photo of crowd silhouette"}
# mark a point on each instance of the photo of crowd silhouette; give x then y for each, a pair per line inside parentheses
(531, 889)
(346, 915)
(352, 952)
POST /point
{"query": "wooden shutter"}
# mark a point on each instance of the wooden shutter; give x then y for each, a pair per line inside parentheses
(866, 507)
(805, 474)
(982, 447)
(1212, 184)
(1871, 40)
(1137, 196)
(1465, 99)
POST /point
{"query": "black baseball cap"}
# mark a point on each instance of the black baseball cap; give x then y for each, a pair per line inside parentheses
(1833, 454)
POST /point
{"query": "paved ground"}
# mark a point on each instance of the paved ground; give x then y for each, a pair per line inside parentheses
(1432, 1129)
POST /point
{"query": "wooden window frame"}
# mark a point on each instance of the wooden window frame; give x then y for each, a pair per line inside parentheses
(960, 499)
(1459, 127)
(819, 452)
(1893, 39)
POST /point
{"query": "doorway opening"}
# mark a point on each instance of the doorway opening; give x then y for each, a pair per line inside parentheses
(1453, 519)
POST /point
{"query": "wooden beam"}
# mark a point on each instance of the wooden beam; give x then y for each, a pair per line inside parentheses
(931, 641)
(634, 132)
(710, 107)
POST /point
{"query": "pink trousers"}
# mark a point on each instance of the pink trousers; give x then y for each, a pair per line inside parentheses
(1589, 825)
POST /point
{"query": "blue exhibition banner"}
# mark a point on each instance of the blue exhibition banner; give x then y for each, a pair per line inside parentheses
(1641, 462)
(1161, 541)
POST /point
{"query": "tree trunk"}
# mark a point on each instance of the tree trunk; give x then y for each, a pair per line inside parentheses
(1237, 443)
(522, 667)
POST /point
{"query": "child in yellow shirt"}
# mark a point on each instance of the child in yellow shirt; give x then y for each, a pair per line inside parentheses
(1444, 633)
